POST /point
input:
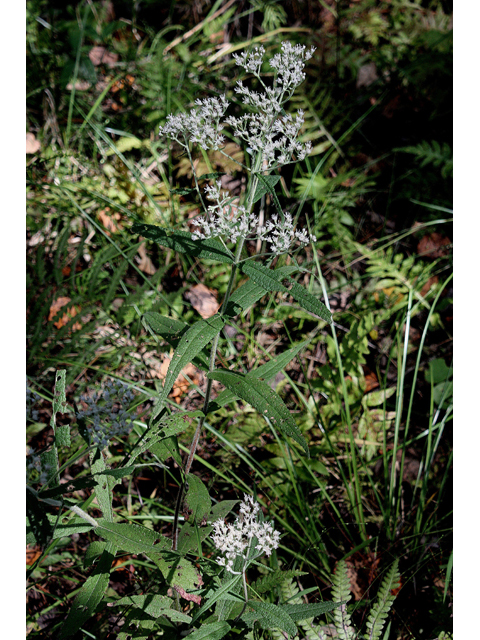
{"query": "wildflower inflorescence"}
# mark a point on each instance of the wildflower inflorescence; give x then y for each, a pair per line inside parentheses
(235, 540)
(271, 136)
(108, 413)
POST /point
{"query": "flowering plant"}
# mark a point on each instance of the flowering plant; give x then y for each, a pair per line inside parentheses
(273, 139)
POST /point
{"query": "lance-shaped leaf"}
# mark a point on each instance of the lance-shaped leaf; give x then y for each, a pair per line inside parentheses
(181, 241)
(249, 293)
(263, 276)
(304, 611)
(104, 484)
(192, 342)
(211, 631)
(265, 185)
(268, 403)
(132, 538)
(172, 331)
(90, 595)
(307, 301)
(165, 428)
(269, 616)
(197, 500)
(267, 371)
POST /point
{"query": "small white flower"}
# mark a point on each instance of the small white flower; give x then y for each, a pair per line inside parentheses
(233, 540)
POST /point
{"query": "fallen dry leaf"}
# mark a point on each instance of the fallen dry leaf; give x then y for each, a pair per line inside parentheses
(33, 145)
(203, 300)
(109, 221)
(145, 264)
(428, 285)
(432, 246)
(101, 55)
(70, 313)
(371, 381)
(33, 553)
(181, 384)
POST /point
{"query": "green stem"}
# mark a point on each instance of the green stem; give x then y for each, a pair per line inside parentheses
(211, 367)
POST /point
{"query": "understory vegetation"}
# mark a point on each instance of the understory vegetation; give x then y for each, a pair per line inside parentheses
(295, 381)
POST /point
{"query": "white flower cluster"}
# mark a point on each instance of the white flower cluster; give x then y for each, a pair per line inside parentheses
(271, 136)
(231, 222)
(202, 125)
(225, 219)
(281, 234)
(270, 130)
(235, 540)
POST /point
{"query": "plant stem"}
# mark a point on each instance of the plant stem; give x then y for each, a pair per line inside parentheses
(211, 367)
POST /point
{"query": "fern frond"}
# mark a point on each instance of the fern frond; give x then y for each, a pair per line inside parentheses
(340, 593)
(383, 604)
(290, 593)
(439, 155)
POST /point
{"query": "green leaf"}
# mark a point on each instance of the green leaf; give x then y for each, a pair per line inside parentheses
(192, 342)
(163, 325)
(167, 448)
(212, 631)
(269, 616)
(249, 293)
(307, 301)
(153, 605)
(180, 574)
(438, 371)
(172, 330)
(168, 426)
(181, 241)
(49, 464)
(265, 185)
(132, 538)
(197, 500)
(304, 611)
(268, 403)
(214, 596)
(274, 579)
(62, 435)
(263, 276)
(222, 509)
(104, 484)
(191, 536)
(84, 483)
(95, 549)
(90, 595)
(182, 192)
(266, 371)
